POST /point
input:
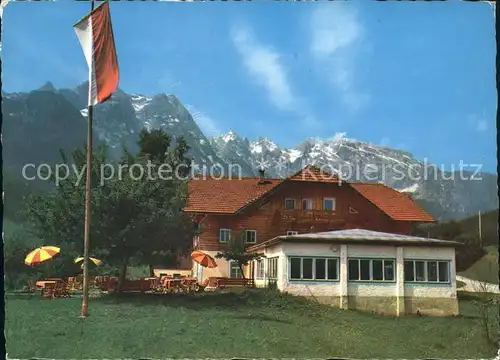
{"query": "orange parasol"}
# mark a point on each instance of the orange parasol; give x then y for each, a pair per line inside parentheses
(41, 254)
(203, 259)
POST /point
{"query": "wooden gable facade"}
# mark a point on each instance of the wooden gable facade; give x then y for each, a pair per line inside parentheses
(305, 202)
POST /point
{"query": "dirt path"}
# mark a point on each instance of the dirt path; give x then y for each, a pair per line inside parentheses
(477, 286)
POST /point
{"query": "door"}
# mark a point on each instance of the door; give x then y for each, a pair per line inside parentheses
(199, 273)
(234, 270)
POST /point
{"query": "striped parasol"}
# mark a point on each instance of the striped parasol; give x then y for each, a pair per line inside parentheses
(41, 254)
(94, 260)
(203, 259)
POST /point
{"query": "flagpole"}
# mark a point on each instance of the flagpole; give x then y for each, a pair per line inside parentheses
(88, 201)
(480, 230)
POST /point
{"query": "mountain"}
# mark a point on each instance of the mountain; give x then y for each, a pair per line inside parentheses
(446, 195)
(36, 125)
(39, 123)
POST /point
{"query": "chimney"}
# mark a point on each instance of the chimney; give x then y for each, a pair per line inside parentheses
(262, 180)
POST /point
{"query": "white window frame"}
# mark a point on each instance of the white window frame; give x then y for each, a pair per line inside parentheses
(353, 210)
(223, 240)
(250, 232)
(371, 270)
(230, 263)
(426, 274)
(260, 269)
(313, 258)
(269, 262)
(309, 202)
(294, 203)
(334, 202)
(291, 232)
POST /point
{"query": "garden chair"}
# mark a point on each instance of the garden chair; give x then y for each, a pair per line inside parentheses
(78, 283)
(61, 289)
(48, 291)
(31, 286)
(71, 283)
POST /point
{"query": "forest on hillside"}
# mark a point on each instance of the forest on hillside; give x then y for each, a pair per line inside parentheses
(467, 232)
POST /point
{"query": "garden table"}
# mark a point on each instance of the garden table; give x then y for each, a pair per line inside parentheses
(42, 283)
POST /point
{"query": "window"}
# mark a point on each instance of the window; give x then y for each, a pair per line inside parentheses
(250, 236)
(234, 270)
(443, 271)
(352, 210)
(353, 270)
(291, 232)
(307, 269)
(311, 268)
(427, 271)
(364, 270)
(371, 270)
(432, 271)
(307, 204)
(409, 271)
(289, 204)
(329, 204)
(259, 269)
(224, 236)
(420, 270)
(378, 270)
(272, 268)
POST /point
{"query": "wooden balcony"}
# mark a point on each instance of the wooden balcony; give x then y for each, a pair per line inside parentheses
(310, 215)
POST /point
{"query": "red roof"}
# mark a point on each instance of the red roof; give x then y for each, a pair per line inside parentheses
(226, 195)
(396, 205)
(314, 174)
(229, 195)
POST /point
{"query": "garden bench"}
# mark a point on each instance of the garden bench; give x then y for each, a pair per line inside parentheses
(232, 282)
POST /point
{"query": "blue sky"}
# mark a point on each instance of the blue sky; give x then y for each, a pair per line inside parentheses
(419, 76)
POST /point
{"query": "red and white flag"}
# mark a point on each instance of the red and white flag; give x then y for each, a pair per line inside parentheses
(96, 37)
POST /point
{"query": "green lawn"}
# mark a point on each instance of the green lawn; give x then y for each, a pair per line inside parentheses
(249, 324)
(486, 268)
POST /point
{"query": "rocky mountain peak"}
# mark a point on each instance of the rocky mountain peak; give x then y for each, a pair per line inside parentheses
(41, 122)
(48, 86)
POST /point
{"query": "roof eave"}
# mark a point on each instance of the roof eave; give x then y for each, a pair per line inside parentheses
(298, 238)
(209, 212)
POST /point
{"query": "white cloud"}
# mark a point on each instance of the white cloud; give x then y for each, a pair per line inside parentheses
(385, 141)
(335, 31)
(265, 65)
(478, 122)
(339, 136)
(207, 125)
(481, 125)
(334, 27)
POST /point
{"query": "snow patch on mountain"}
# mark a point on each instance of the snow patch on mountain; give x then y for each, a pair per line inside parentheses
(410, 189)
(293, 154)
(230, 136)
(139, 101)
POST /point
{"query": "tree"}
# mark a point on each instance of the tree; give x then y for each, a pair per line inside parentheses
(135, 219)
(487, 302)
(469, 252)
(236, 252)
(16, 246)
(154, 144)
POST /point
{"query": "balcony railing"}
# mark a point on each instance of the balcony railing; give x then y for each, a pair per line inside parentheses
(309, 215)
